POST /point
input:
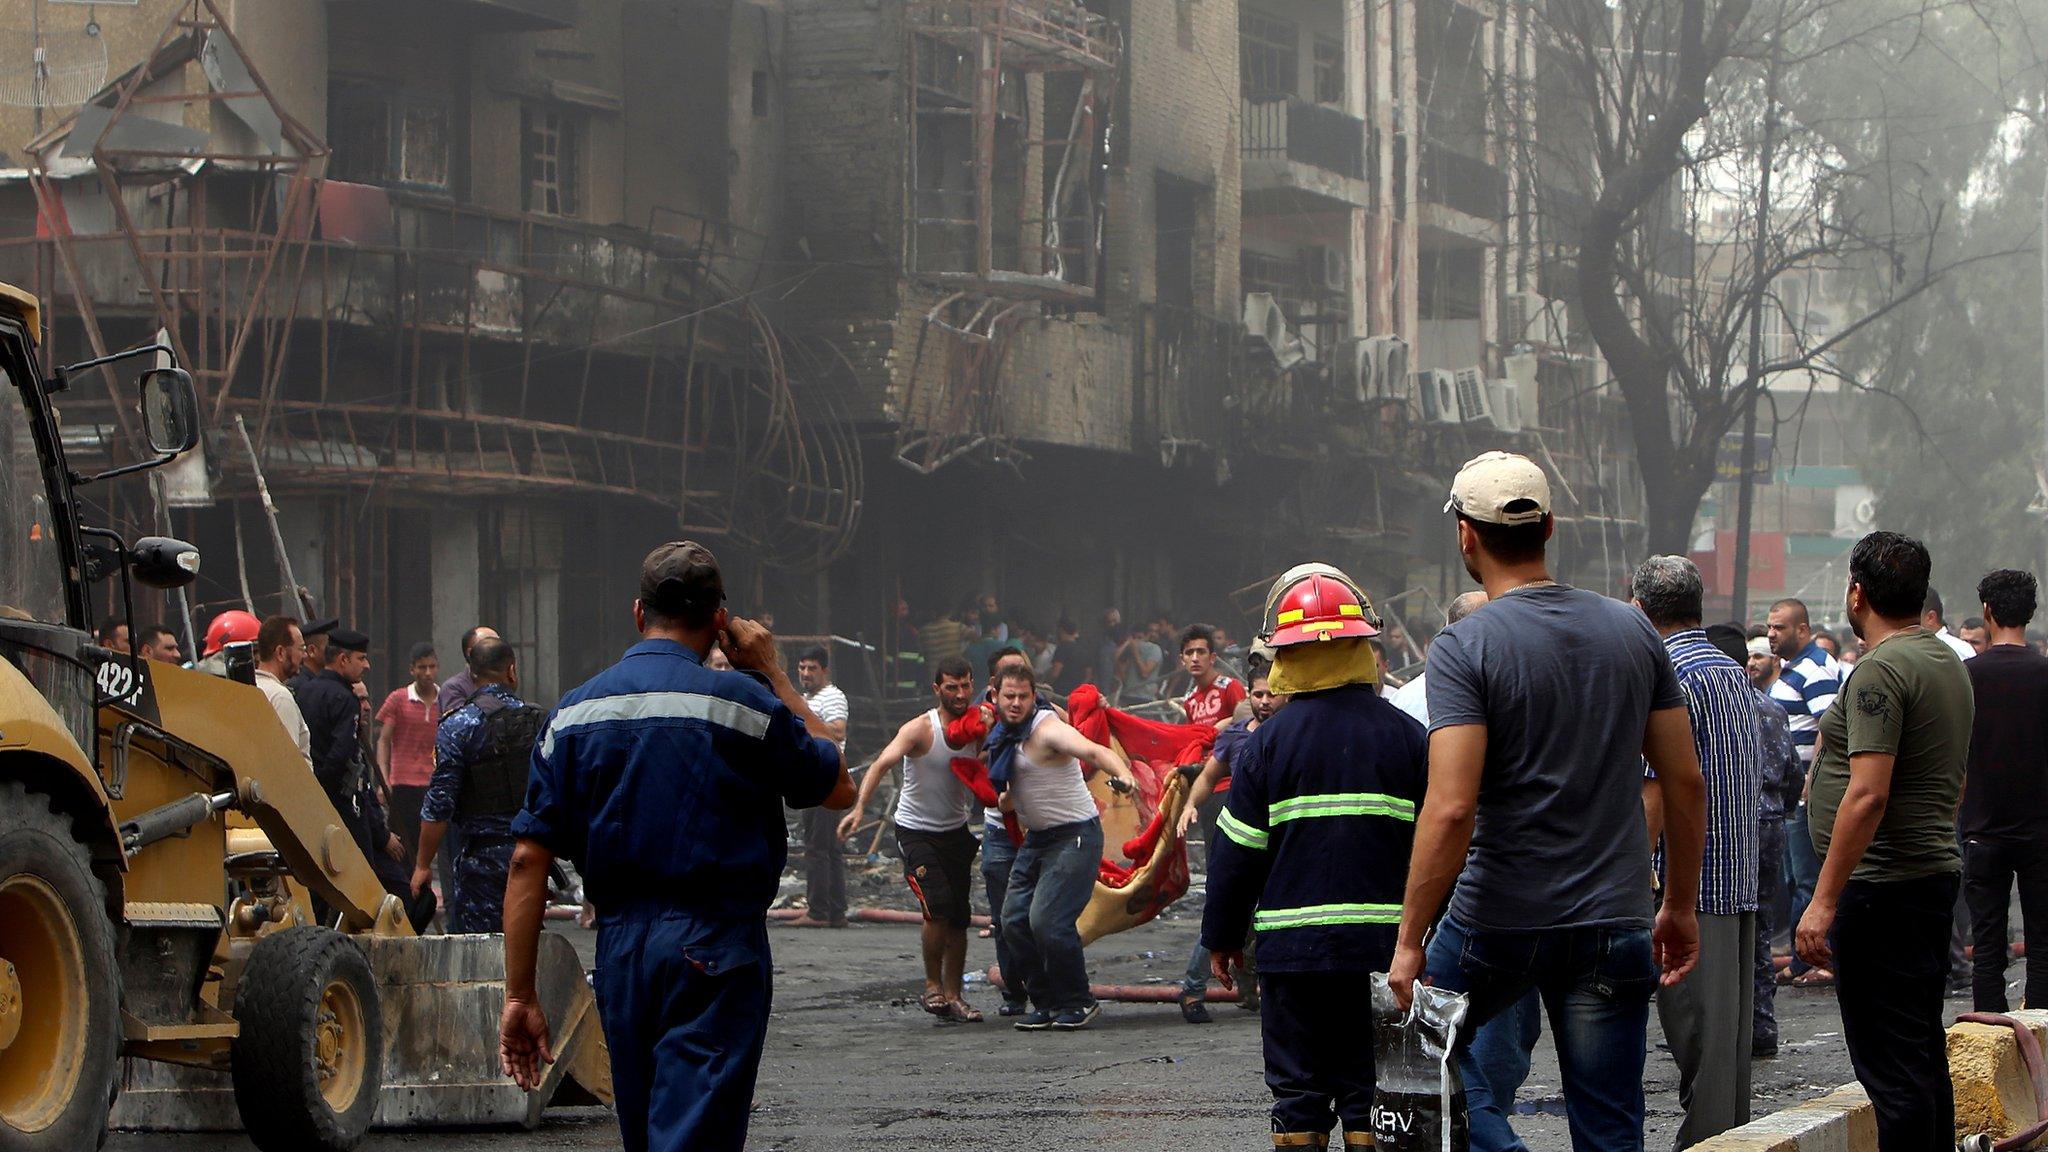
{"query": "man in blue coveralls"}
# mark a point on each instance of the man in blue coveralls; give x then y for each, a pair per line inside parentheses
(482, 752)
(664, 781)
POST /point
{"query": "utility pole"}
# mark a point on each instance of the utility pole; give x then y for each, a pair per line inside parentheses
(1759, 289)
(2041, 132)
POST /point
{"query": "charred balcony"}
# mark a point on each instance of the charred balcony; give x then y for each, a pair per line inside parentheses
(1302, 156)
(1008, 112)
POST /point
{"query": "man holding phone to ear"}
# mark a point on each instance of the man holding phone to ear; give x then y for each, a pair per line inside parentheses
(665, 782)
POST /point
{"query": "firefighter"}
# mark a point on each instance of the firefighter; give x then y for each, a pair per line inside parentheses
(1313, 854)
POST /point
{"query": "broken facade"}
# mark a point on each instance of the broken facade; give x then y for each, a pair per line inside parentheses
(488, 324)
(1129, 302)
(1317, 290)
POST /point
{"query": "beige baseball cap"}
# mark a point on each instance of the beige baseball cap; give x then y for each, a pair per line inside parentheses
(1500, 488)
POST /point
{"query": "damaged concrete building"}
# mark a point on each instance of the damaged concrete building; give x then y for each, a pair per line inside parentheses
(487, 322)
(1147, 328)
(1129, 302)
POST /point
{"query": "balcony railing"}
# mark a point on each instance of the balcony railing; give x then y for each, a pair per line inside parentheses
(1290, 128)
(1464, 183)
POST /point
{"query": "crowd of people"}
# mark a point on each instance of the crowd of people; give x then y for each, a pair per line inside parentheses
(1581, 808)
(1128, 662)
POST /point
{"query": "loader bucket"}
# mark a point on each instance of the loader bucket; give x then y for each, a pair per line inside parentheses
(439, 998)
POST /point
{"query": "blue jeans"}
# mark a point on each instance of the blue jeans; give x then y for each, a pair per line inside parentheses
(1596, 984)
(1802, 866)
(1501, 1048)
(997, 854)
(1050, 883)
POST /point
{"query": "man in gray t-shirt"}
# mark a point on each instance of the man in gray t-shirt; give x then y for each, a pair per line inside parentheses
(1542, 708)
(1564, 681)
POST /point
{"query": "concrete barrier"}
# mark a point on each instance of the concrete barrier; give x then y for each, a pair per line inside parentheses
(1993, 1095)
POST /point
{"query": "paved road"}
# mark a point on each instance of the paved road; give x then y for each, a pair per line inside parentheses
(853, 1064)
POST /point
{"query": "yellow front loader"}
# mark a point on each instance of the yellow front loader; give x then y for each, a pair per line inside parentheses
(160, 839)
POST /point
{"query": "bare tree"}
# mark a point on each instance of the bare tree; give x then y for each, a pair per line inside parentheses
(1711, 200)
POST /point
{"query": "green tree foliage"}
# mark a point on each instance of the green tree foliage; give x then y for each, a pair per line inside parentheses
(1956, 377)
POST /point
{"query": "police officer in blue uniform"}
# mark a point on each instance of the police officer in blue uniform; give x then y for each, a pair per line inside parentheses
(482, 751)
(1313, 855)
(664, 781)
(334, 718)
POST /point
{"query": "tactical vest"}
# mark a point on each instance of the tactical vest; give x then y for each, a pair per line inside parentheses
(494, 783)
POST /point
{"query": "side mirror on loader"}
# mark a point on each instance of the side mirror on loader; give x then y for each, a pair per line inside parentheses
(170, 411)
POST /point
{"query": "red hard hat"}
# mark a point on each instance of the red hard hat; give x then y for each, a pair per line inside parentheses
(1317, 602)
(231, 627)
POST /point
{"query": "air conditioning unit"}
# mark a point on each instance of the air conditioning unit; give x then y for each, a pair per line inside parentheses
(1520, 369)
(1536, 320)
(1474, 405)
(1264, 323)
(1325, 267)
(1389, 365)
(1437, 391)
(1855, 511)
(1506, 398)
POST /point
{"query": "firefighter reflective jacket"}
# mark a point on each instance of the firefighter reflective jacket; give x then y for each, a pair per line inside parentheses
(1312, 850)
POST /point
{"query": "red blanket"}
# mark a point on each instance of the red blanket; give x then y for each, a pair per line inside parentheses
(1155, 751)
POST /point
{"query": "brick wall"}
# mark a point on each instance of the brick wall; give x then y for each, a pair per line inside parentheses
(844, 103)
(1182, 110)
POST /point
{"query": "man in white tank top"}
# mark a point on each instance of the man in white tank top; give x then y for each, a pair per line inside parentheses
(932, 813)
(1041, 757)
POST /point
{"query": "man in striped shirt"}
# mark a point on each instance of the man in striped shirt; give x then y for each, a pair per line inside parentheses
(1707, 1019)
(1805, 686)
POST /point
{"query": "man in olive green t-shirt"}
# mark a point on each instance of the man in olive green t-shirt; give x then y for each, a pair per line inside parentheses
(1887, 778)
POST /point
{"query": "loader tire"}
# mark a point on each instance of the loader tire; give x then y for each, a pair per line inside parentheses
(60, 989)
(309, 1062)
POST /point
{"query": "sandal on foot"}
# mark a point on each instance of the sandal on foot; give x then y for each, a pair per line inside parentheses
(1814, 978)
(934, 1003)
(957, 1012)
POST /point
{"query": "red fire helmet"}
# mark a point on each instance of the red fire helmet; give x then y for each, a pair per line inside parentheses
(233, 626)
(1317, 602)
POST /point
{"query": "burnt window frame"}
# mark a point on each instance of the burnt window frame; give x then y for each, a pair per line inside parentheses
(571, 128)
(1262, 44)
(348, 95)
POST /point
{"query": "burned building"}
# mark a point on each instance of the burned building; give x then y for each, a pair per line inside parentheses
(492, 327)
(1125, 324)
(1128, 302)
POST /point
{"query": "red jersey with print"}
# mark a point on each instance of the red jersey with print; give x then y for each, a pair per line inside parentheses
(1218, 701)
